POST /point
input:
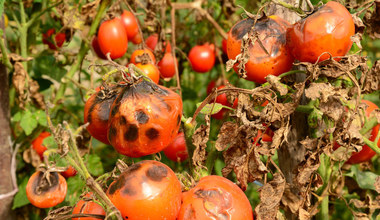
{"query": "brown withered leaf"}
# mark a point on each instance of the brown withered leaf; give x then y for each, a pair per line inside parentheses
(274, 81)
(200, 138)
(309, 143)
(18, 80)
(371, 80)
(319, 91)
(372, 21)
(306, 168)
(89, 10)
(246, 112)
(270, 197)
(37, 97)
(291, 200)
(55, 213)
(303, 214)
(228, 130)
(369, 203)
(333, 108)
(377, 184)
(32, 157)
(279, 136)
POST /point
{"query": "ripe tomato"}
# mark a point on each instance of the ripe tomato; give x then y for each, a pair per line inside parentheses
(150, 70)
(147, 190)
(152, 40)
(69, 172)
(87, 206)
(97, 110)
(222, 99)
(37, 144)
(272, 32)
(112, 38)
(215, 197)
(177, 150)
(139, 55)
(327, 30)
(137, 39)
(144, 119)
(130, 23)
(96, 47)
(202, 58)
(53, 43)
(44, 195)
(166, 65)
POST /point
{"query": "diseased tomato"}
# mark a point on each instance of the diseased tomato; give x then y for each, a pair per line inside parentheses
(166, 65)
(53, 43)
(147, 190)
(152, 40)
(150, 70)
(272, 33)
(37, 144)
(130, 23)
(112, 38)
(142, 55)
(87, 206)
(224, 45)
(215, 197)
(144, 119)
(69, 172)
(177, 150)
(222, 99)
(96, 48)
(43, 193)
(327, 30)
(202, 57)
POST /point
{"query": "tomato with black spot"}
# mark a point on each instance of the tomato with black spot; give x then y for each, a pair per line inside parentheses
(274, 60)
(142, 56)
(177, 150)
(43, 193)
(147, 190)
(215, 197)
(329, 29)
(144, 119)
(88, 206)
(37, 144)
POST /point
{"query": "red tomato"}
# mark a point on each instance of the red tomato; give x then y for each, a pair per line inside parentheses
(59, 39)
(210, 86)
(272, 32)
(224, 45)
(152, 40)
(222, 99)
(327, 30)
(44, 195)
(137, 39)
(177, 150)
(147, 190)
(215, 197)
(151, 71)
(96, 47)
(37, 144)
(69, 172)
(112, 38)
(266, 137)
(202, 58)
(166, 65)
(87, 206)
(130, 23)
(146, 53)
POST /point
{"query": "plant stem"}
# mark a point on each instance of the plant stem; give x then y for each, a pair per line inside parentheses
(189, 129)
(4, 52)
(324, 171)
(372, 145)
(210, 161)
(372, 122)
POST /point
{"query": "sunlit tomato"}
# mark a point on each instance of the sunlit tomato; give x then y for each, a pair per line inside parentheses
(139, 55)
(69, 172)
(97, 110)
(166, 65)
(130, 23)
(87, 206)
(147, 190)
(53, 43)
(112, 38)
(202, 58)
(151, 71)
(144, 119)
(224, 45)
(37, 144)
(215, 197)
(327, 30)
(272, 33)
(177, 150)
(43, 194)
(222, 99)
(96, 48)
(152, 40)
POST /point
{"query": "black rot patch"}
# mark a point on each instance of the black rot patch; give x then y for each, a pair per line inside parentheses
(132, 133)
(141, 117)
(157, 173)
(152, 133)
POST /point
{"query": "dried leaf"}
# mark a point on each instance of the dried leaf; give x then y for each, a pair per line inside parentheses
(303, 214)
(371, 80)
(306, 168)
(291, 200)
(319, 91)
(18, 80)
(37, 97)
(372, 21)
(227, 131)
(32, 157)
(200, 138)
(274, 81)
(377, 184)
(55, 213)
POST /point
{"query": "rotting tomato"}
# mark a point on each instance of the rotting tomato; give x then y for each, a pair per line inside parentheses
(215, 197)
(166, 65)
(112, 38)
(202, 57)
(96, 48)
(152, 40)
(150, 70)
(142, 56)
(43, 193)
(147, 190)
(177, 150)
(69, 172)
(144, 119)
(88, 206)
(53, 43)
(130, 23)
(327, 30)
(37, 144)
(272, 33)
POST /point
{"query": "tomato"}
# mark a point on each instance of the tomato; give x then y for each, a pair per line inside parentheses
(138, 56)
(327, 30)
(69, 172)
(59, 39)
(202, 58)
(96, 47)
(266, 137)
(87, 206)
(112, 38)
(210, 87)
(147, 190)
(272, 32)
(215, 197)
(224, 45)
(130, 23)
(137, 39)
(44, 195)
(144, 119)
(37, 144)
(152, 40)
(97, 110)
(177, 150)
(222, 99)
(150, 70)
(166, 65)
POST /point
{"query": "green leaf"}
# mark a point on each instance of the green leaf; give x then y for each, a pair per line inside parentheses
(49, 142)
(75, 187)
(20, 198)
(41, 118)
(59, 161)
(365, 180)
(17, 116)
(2, 6)
(212, 108)
(28, 122)
(94, 165)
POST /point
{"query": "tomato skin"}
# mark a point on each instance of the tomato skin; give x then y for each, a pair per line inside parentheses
(112, 38)
(147, 190)
(215, 197)
(152, 40)
(96, 47)
(144, 119)
(151, 71)
(37, 144)
(58, 41)
(224, 45)
(88, 207)
(177, 150)
(69, 172)
(50, 195)
(327, 30)
(130, 23)
(138, 53)
(202, 58)
(272, 32)
(137, 39)
(166, 65)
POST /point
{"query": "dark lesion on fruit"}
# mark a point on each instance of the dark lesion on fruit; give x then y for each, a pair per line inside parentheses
(164, 103)
(241, 28)
(123, 120)
(156, 173)
(41, 185)
(115, 109)
(132, 133)
(178, 119)
(112, 132)
(141, 117)
(152, 133)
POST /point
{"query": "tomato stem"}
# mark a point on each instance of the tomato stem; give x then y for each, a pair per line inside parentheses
(4, 51)
(290, 7)
(189, 129)
(372, 144)
(368, 125)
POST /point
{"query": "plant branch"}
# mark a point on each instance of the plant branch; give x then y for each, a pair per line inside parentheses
(4, 52)
(40, 13)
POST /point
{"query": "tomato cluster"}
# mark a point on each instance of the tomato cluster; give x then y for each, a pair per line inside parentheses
(52, 39)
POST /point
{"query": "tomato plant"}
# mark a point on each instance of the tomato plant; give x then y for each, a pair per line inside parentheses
(142, 56)
(166, 65)
(69, 172)
(177, 150)
(222, 99)
(87, 206)
(53, 43)
(202, 57)
(112, 38)
(130, 23)
(150, 70)
(37, 144)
